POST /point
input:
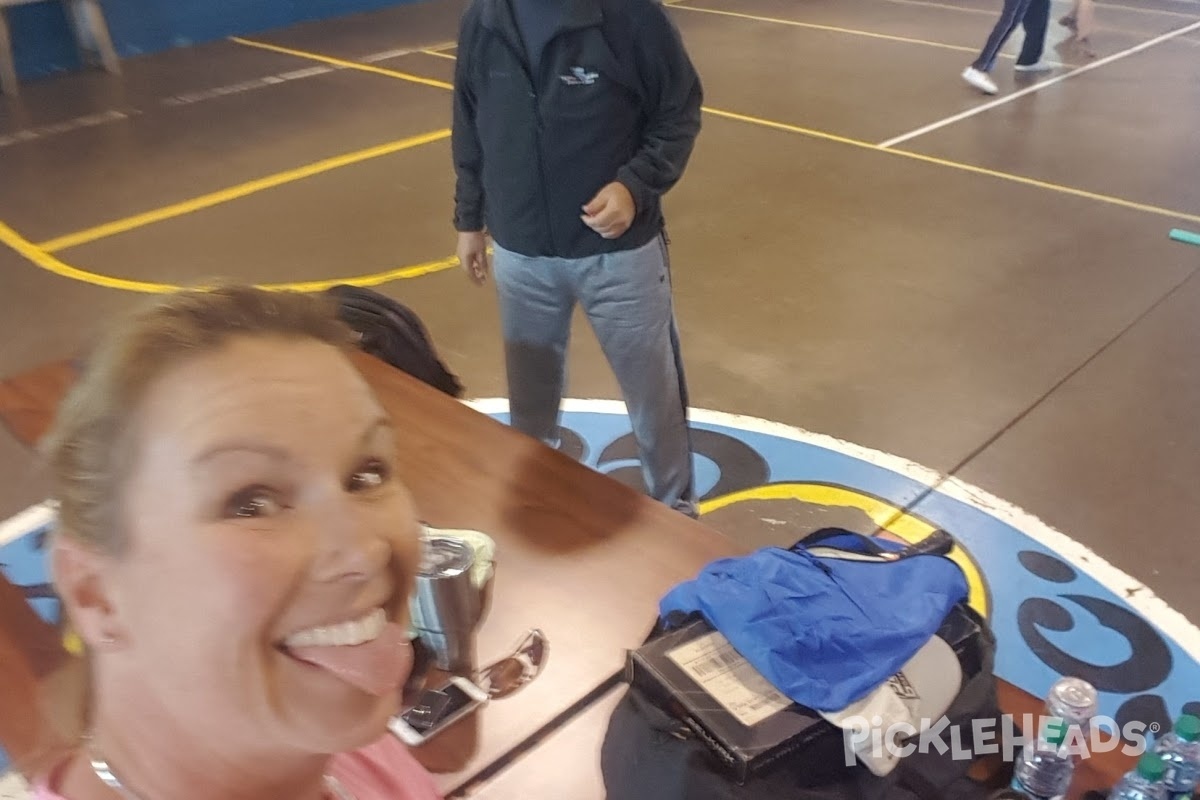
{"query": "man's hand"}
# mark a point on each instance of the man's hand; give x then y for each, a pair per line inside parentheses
(611, 211)
(472, 255)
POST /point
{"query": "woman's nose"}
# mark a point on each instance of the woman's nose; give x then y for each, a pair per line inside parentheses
(354, 545)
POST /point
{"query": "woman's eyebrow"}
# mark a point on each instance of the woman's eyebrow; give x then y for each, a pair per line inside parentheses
(381, 422)
(270, 451)
(278, 453)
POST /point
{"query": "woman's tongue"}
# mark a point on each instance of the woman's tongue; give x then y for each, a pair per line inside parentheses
(377, 667)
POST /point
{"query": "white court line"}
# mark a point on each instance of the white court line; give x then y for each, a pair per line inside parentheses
(78, 123)
(283, 77)
(991, 12)
(439, 54)
(387, 55)
(1038, 87)
(1191, 15)
(30, 519)
(964, 9)
(211, 93)
(794, 23)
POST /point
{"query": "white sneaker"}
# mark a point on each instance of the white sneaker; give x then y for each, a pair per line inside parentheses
(979, 80)
(1040, 66)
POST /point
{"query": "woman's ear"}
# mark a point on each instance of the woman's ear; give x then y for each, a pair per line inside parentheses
(83, 580)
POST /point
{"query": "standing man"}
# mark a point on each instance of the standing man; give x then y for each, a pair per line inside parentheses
(572, 118)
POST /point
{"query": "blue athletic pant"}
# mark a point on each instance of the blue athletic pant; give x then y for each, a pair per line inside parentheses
(1033, 16)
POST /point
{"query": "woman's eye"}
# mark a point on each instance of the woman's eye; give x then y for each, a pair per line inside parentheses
(255, 502)
(371, 475)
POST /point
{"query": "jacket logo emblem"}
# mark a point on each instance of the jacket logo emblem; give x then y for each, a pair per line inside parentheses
(579, 77)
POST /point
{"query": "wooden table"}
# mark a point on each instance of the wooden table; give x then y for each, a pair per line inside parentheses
(565, 766)
(579, 555)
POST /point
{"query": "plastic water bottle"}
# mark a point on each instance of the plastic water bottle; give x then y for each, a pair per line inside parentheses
(1047, 764)
(1180, 750)
(1045, 767)
(1145, 782)
(1075, 701)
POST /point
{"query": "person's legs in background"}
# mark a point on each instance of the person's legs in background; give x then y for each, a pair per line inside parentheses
(627, 297)
(1085, 19)
(1081, 19)
(536, 301)
(977, 74)
(1035, 22)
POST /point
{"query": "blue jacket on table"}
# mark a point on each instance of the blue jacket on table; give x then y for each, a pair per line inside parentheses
(614, 97)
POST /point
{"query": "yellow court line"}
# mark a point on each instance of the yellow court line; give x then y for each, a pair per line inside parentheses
(51, 263)
(991, 173)
(341, 62)
(439, 54)
(225, 195)
(1054, 187)
(234, 192)
(374, 279)
(783, 126)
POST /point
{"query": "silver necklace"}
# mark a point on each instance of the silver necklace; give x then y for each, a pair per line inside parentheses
(105, 773)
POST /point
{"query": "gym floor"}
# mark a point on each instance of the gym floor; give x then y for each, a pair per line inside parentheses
(863, 246)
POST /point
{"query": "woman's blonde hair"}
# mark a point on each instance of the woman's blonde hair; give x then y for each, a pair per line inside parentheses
(88, 449)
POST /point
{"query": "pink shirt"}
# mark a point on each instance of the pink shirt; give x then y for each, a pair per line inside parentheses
(384, 770)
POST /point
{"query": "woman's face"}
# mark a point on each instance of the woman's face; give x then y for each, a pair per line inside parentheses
(263, 598)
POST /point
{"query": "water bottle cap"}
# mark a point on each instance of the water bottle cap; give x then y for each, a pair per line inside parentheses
(1075, 697)
(1152, 767)
(1187, 728)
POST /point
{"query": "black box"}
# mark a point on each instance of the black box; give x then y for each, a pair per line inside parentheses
(694, 674)
(753, 727)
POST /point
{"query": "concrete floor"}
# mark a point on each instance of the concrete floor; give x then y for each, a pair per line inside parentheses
(1036, 337)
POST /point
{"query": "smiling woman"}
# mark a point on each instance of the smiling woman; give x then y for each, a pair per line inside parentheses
(235, 554)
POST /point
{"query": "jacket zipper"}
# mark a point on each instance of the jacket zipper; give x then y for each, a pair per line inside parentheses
(538, 128)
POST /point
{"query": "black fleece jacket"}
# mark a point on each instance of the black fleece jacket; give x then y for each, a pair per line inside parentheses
(614, 97)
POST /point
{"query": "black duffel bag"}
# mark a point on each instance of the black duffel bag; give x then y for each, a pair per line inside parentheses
(650, 754)
(392, 332)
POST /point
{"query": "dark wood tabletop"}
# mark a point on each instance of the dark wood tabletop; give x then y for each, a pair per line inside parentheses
(565, 766)
(578, 555)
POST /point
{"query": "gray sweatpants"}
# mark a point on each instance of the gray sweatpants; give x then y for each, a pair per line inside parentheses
(627, 299)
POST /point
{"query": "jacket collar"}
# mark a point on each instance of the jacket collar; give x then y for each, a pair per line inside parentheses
(498, 15)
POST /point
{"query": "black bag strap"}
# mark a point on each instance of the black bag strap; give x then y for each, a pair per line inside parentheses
(937, 543)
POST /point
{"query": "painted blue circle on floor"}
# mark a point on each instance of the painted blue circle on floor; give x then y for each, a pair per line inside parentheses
(1056, 608)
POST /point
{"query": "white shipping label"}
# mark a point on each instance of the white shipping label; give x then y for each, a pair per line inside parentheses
(729, 678)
